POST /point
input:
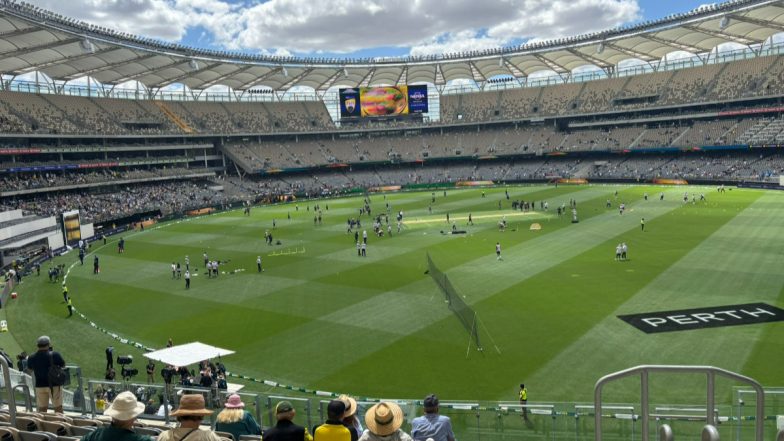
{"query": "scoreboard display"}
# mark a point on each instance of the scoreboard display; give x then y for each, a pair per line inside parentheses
(71, 226)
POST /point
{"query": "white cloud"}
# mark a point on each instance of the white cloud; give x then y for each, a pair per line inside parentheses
(452, 42)
(152, 18)
(344, 26)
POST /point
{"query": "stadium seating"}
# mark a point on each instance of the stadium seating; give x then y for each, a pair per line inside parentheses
(46, 113)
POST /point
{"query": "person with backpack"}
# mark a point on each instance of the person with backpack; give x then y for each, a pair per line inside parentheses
(48, 369)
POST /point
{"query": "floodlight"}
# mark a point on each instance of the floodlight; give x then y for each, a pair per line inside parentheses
(194, 65)
(87, 46)
(600, 47)
(285, 72)
(725, 21)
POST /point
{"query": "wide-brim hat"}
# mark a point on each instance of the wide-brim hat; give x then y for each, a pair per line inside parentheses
(351, 405)
(125, 407)
(192, 404)
(384, 418)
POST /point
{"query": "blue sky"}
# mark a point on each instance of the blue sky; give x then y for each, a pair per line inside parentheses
(361, 28)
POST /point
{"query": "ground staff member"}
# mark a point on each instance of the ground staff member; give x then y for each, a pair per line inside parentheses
(524, 400)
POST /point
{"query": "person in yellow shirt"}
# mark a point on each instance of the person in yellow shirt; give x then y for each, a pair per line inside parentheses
(524, 400)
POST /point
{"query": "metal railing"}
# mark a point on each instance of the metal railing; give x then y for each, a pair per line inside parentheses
(710, 414)
(471, 421)
(9, 389)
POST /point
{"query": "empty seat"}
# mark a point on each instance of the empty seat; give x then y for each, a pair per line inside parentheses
(27, 424)
(56, 417)
(37, 436)
(56, 427)
(7, 435)
(86, 422)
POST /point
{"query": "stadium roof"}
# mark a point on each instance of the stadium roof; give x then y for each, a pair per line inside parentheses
(34, 39)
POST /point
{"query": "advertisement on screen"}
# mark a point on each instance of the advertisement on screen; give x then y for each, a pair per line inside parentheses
(417, 99)
(384, 101)
(71, 226)
(387, 101)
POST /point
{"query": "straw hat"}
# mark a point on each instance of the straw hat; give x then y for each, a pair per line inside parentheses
(384, 418)
(191, 404)
(125, 407)
(351, 405)
(234, 402)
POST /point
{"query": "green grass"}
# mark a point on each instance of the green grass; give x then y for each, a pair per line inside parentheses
(378, 326)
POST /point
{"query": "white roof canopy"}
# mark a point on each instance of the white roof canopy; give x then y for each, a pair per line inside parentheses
(34, 39)
(190, 353)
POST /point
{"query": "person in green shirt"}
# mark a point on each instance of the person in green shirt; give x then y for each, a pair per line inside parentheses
(123, 410)
(236, 420)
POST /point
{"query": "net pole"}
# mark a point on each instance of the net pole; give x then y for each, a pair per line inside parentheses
(468, 349)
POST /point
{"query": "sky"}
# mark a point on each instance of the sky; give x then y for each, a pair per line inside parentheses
(361, 28)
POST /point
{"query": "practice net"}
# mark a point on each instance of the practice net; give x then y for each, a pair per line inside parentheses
(454, 300)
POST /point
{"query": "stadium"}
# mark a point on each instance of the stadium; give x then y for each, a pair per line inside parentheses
(548, 213)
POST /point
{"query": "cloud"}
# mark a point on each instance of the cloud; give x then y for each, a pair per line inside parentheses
(451, 42)
(152, 18)
(346, 26)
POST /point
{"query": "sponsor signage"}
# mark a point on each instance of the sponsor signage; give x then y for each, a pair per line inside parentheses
(751, 111)
(700, 318)
(19, 151)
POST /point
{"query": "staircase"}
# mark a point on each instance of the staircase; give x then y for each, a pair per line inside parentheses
(709, 87)
(497, 110)
(191, 117)
(679, 137)
(583, 170)
(752, 132)
(22, 117)
(638, 139)
(73, 119)
(237, 159)
(174, 118)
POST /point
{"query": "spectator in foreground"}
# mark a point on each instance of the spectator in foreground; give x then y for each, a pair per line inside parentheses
(40, 363)
(285, 429)
(333, 429)
(189, 416)
(235, 419)
(350, 419)
(123, 410)
(431, 424)
(383, 422)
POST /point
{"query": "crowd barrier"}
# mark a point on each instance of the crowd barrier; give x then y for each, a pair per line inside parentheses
(472, 421)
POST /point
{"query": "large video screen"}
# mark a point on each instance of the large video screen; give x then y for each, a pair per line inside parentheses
(71, 226)
(382, 101)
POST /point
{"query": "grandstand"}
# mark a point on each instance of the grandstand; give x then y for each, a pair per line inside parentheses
(76, 138)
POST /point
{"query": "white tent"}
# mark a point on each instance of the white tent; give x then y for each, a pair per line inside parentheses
(189, 353)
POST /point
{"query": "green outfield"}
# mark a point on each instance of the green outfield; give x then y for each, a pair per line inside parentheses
(323, 318)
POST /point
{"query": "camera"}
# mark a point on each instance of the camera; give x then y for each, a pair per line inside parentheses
(129, 372)
(124, 359)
